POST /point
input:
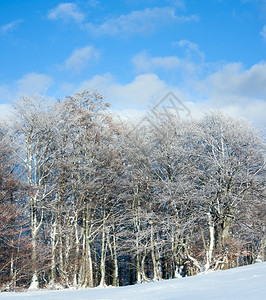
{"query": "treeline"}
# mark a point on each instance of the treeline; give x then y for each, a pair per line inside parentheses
(86, 200)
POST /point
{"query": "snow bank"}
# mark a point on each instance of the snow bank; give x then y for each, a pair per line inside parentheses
(248, 282)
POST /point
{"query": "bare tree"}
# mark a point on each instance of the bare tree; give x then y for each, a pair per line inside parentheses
(33, 132)
(110, 205)
(232, 160)
(13, 222)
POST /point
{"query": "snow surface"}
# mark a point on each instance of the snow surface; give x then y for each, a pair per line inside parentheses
(248, 282)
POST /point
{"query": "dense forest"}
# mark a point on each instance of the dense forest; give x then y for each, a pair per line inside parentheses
(87, 200)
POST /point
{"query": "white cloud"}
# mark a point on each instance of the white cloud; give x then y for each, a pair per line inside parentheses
(263, 32)
(33, 83)
(99, 82)
(234, 82)
(134, 95)
(191, 47)
(80, 58)
(234, 90)
(66, 12)
(9, 27)
(144, 63)
(130, 101)
(140, 91)
(29, 84)
(251, 111)
(5, 111)
(141, 22)
(254, 111)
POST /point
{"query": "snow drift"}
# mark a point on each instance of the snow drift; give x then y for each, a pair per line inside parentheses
(248, 282)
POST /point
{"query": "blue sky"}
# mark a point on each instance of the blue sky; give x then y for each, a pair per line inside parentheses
(210, 53)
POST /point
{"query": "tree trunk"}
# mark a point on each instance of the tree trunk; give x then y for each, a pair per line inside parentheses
(53, 260)
(144, 278)
(262, 245)
(87, 259)
(115, 261)
(34, 281)
(76, 257)
(155, 258)
(210, 249)
(103, 256)
(35, 227)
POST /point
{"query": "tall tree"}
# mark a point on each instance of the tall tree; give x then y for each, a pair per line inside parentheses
(13, 222)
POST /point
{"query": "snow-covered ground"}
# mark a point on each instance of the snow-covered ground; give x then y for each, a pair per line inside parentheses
(247, 282)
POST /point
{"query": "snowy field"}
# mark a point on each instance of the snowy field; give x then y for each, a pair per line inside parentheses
(248, 282)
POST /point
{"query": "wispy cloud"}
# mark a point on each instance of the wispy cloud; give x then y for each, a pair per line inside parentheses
(258, 2)
(263, 32)
(5, 111)
(191, 47)
(94, 3)
(177, 3)
(66, 12)
(140, 22)
(143, 62)
(33, 83)
(80, 58)
(234, 82)
(28, 84)
(9, 27)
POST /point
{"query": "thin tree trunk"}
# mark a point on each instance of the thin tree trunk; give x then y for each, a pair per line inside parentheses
(103, 257)
(76, 258)
(53, 262)
(115, 261)
(87, 259)
(210, 249)
(144, 278)
(103, 250)
(35, 227)
(155, 258)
